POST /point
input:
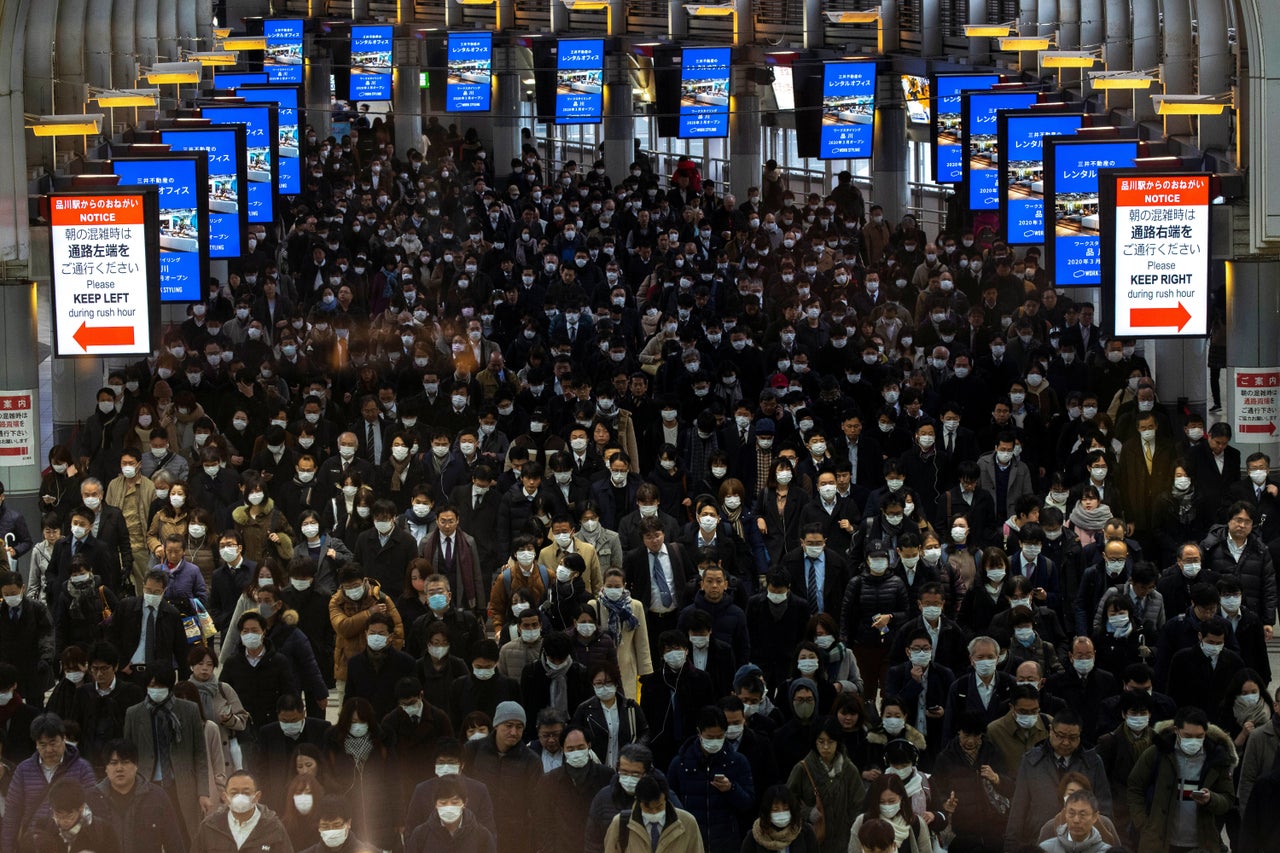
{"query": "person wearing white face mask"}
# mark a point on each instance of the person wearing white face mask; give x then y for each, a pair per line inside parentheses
(263, 530)
(653, 823)
(1003, 475)
(374, 674)
(449, 819)
(1185, 814)
(133, 494)
(874, 606)
(241, 824)
(170, 736)
(704, 764)
(257, 672)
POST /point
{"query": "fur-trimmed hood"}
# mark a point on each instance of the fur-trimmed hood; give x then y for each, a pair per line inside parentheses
(1219, 748)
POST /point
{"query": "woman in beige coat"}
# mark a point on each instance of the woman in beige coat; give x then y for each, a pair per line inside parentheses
(623, 619)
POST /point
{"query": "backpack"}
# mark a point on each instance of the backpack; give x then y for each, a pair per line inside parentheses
(506, 579)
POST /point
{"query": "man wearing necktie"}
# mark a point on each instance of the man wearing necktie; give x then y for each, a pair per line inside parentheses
(1146, 473)
(656, 577)
(1258, 490)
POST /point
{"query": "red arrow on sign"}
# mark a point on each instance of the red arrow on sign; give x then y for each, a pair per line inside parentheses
(1159, 317)
(103, 336)
(1265, 429)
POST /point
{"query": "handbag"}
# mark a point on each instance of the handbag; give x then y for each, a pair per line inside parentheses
(820, 824)
(106, 608)
(207, 628)
(191, 628)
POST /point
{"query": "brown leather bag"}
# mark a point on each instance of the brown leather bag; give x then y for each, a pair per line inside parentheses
(819, 825)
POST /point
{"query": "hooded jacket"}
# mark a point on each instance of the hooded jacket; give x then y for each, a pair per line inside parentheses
(1153, 789)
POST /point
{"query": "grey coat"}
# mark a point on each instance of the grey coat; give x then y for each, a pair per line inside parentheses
(189, 758)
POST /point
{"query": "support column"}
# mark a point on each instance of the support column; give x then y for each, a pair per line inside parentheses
(744, 132)
(979, 49)
(505, 110)
(888, 161)
(1252, 303)
(1179, 369)
(18, 372)
(407, 99)
(619, 123)
(677, 19)
(319, 107)
(815, 25)
(75, 384)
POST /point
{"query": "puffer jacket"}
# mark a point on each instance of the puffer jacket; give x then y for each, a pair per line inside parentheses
(28, 790)
(1254, 570)
(864, 597)
(1153, 789)
(256, 530)
(690, 778)
(350, 618)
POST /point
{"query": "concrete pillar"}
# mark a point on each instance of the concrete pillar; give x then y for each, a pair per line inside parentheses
(316, 95)
(407, 99)
(1118, 49)
(677, 19)
(124, 64)
(888, 165)
(979, 49)
(559, 17)
(505, 110)
(815, 25)
(1216, 69)
(1179, 369)
(18, 372)
(745, 18)
(931, 28)
(1252, 305)
(619, 124)
(744, 132)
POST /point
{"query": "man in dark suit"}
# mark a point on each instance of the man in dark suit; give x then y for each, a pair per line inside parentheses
(1083, 688)
(1201, 679)
(837, 516)
(862, 451)
(385, 550)
(1146, 471)
(647, 499)
(615, 494)
(148, 631)
(477, 504)
(81, 543)
(371, 426)
(1215, 465)
(657, 576)
(982, 691)
(1258, 490)
(100, 703)
(110, 530)
(947, 640)
(277, 742)
(977, 504)
(566, 489)
(827, 569)
(333, 469)
(517, 504)
(923, 687)
(958, 441)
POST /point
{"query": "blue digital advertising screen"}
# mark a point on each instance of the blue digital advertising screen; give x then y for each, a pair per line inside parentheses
(228, 195)
(232, 79)
(285, 98)
(469, 73)
(579, 81)
(948, 166)
(184, 246)
(1073, 253)
(704, 92)
(371, 62)
(260, 153)
(981, 145)
(848, 110)
(1022, 179)
(282, 60)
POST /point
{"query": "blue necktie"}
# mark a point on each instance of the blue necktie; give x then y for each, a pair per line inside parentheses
(813, 587)
(660, 579)
(655, 833)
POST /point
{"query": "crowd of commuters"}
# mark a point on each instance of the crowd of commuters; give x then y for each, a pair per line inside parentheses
(615, 512)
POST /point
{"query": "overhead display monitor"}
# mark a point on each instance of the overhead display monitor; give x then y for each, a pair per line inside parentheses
(469, 68)
(371, 62)
(288, 120)
(1022, 210)
(181, 182)
(228, 190)
(704, 92)
(981, 144)
(579, 81)
(261, 146)
(848, 110)
(915, 91)
(282, 60)
(105, 272)
(1155, 253)
(948, 165)
(232, 79)
(1073, 254)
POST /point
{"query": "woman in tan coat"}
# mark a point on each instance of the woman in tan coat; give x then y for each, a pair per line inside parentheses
(173, 517)
(623, 619)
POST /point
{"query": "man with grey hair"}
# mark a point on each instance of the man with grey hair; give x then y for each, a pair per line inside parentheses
(109, 529)
(982, 691)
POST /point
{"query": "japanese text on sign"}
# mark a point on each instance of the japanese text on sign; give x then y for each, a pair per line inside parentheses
(18, 437)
